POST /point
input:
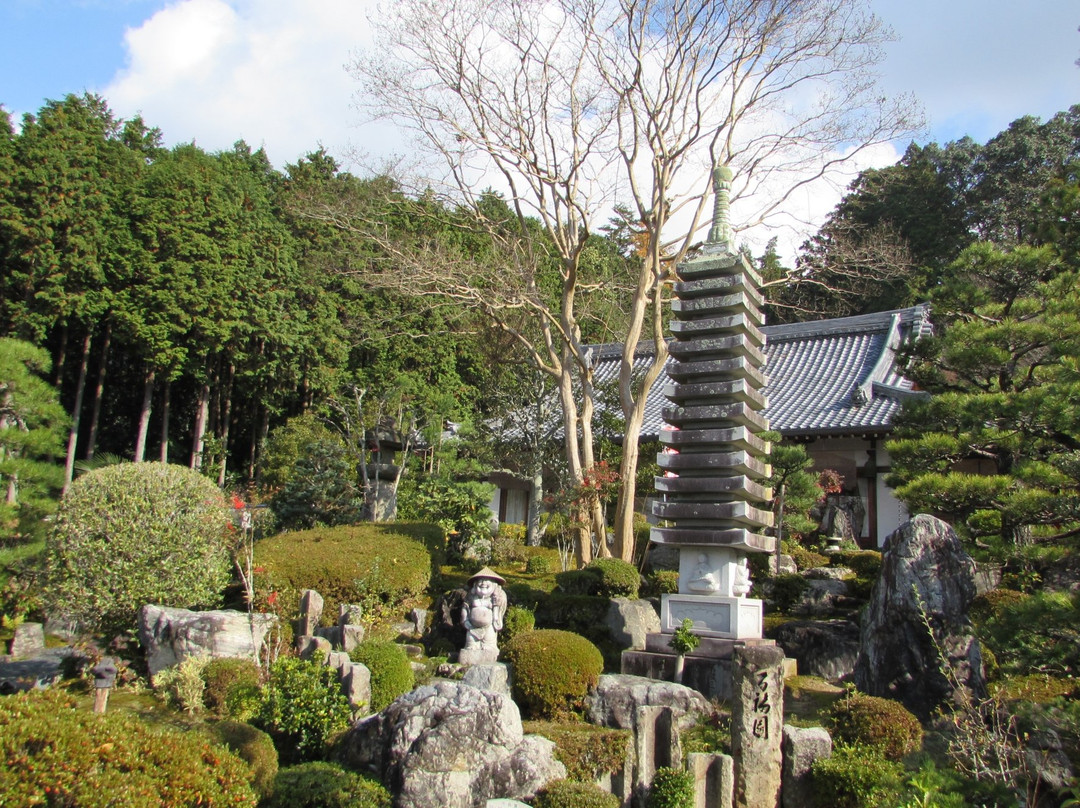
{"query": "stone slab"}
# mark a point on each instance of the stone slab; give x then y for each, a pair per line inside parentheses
(727, 618)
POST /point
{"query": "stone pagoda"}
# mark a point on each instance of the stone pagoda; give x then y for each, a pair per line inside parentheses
(713, 501)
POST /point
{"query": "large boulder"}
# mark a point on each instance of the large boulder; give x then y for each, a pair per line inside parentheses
(451, 745)
(617, 697)
(170, 635)
(825, 648)
(630, 621)
(916, 627)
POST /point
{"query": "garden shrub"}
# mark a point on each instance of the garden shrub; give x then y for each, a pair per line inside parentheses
(587, 751)
(990, 603)
(517, 620)
(508, 544)
(662, 582)
(876, 723)
(321, 489)
(604, 577)
(254, 747)
(785, 590)
(377, 566)
(1036, 634)
(538, 565)
(671, 788)
(137, 533)
(864, 563)
(856, 777)
(287, 444)
(804, 557)
(581, 614)
(57, 753)
(303, 708)
(325, 785)
(182, 686)
(553, 672)
(391, 673)
(570, 794)
(460, 508)
(233, 687)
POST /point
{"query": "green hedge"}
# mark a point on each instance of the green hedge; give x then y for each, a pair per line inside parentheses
(552, 672)
(59, 754)
(391, 673)
(856, 777)
(570, 794)
(325, 785)
(254, 747)
(604, 577)
(379, 566)
(588, 751)
(876, 723)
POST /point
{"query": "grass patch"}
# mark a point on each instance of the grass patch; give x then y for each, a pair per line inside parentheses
(808, 700)
(587, 751)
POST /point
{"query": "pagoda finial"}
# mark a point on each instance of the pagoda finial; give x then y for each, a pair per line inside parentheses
(721, 232)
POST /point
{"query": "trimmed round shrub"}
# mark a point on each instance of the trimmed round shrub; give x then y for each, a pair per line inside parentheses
(876, 723)
(856, 777)
(805, 558)
(391, 673)
(325, 785)
(864, 563)
(57, 753)
(538, 565)
(303, 708)
(137, 533)
(671, 788)
(553, 672)
(604, 577)
(517, 620)
(254, 747)
(377, 566)
(233, 687)
(662, 582)
(569, 794)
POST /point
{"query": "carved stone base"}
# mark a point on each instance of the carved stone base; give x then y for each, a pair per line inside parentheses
(478, 656)
(707, 669)
(725, 618)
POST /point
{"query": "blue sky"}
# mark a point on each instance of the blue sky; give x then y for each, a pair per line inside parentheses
(272, 71)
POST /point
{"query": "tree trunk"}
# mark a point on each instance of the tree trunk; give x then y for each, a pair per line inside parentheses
(226, 418)
(253, 447)
(202, 410)
(165, 396)
(536, 498)
(95, 413)
(76, 412)
(144, 416)
(61, 357)
(264, 430)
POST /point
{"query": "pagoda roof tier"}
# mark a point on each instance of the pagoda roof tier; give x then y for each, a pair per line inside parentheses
(714, 489)
(736, 538)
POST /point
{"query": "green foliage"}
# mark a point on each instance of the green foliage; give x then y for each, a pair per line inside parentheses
(378, 566)
(786, 589)
(538, 565)
(553, 672)
(571, 794)
(581, 614)
(864, 563)
(459, 508)
(31, 433)
(391, 673)
(804, 557)
(931, 787)
(683, 640)
(254, 747)
(52, 747)
(287, 444)
(993, 601)
(133, 534)
(1037, 633)
(303, 708)
(856, 777)
(182, 685)
(517, 620)
(233, 687)
(671, 788)
(791, 472)
(587, 751)
(875, 723)
(325, 785)
(604, 577)
(661, 582)
(321, 489)
(710, 734)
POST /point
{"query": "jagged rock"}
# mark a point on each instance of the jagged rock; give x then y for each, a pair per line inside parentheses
(492, 676)
(801, 747)
(356, 685)
(828, 573)
(927, 579)
(311, 609)
(450, 745)
(169, 635)
(29, 640)
(820, 597)
(617, 697)
(307, 647)
(1047, 762)
(785, 565)
(825, 648)
(630, 620)
(419, 618)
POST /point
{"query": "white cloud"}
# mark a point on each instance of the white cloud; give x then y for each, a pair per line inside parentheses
(271, 72)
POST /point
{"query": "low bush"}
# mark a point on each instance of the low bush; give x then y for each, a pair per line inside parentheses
(876, 723)
(517, 620)
(604, 577)
(538, 565)
(588, 751)
(136, 533)
(856, 777)
(570, 794)
(379, 566)
(58, 754)
(786, 590)
(325, 785)
(553, 672)
(391, 673)
(254, 747)
(804, 557)
(182, 686)
(988, 604)
(864, 563)
(661, 582)
(671, 788)
(508, 544)
(303, 708)
(233, 688)
(581, 614)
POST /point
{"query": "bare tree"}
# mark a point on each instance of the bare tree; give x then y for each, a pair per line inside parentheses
(570, 106)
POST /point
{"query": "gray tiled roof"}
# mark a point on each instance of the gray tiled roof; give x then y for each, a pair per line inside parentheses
(813, 372)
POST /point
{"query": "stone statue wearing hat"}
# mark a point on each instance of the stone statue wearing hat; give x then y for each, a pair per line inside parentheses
(482, 615)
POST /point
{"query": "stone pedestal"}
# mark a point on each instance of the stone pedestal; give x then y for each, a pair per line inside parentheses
(706, 669)
(724, 618)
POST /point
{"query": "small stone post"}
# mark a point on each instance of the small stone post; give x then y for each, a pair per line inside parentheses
(757, 721)
(104, 679)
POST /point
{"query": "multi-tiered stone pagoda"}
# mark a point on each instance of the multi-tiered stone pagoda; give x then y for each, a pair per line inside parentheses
(713, 498)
